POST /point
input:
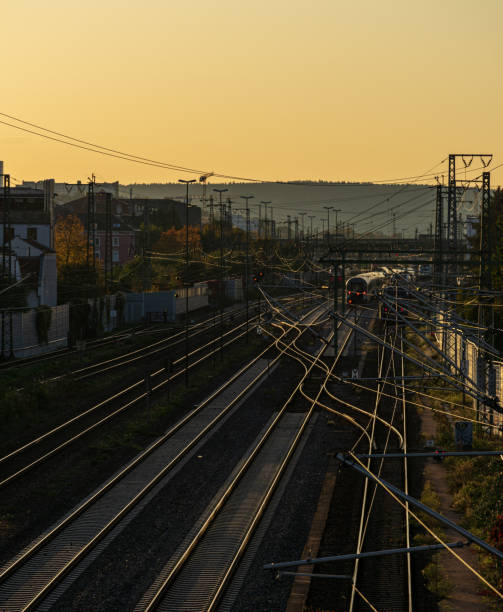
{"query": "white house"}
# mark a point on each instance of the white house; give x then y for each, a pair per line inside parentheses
(35, 263)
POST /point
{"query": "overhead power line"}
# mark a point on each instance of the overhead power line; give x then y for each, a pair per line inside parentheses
(110, 152)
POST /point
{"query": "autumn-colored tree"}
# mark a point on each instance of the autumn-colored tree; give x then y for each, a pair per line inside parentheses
(173, 241)
(70, 241)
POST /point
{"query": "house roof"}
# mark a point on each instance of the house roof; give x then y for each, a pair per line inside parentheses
(29, 217)
(38, 245)
(118, 225)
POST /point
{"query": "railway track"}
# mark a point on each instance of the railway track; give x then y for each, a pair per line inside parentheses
(36, 571)
(380, 520)
(196, 577)
(32, 454)
(383, 524)
(65, 352)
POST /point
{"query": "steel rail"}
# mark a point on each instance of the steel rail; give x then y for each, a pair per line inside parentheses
(196, 329)
(410, 599)
(103, 420)
(63, 352)
(364, 515)
(167, 582)
(24, 557)
(90, 410)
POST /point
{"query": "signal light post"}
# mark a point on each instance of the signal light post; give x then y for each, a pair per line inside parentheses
(220, 288)
(186, 285)
(335, 277)
(246, 198)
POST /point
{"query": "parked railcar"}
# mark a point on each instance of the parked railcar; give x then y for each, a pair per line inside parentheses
(361, 289)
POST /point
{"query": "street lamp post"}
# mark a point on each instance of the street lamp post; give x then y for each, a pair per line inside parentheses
(247, 273)
(186, 287)
(220, 288)
(328, 209)
(265, 203)
(301, 215)
(336, 210)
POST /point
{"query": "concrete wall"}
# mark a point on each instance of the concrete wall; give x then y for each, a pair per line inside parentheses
(24, 339)
(142, 306)
(48, 280)
(198, 298)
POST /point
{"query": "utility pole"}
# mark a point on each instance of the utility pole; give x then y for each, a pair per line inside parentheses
(229, 214)
(311, 217)
(452, 220)
(247, 273)
(91, 225)
(336, 210)
(328, 209)
(486, 246)
(145, 247)
(7, 232)
(438, 244)
(186, 279)
(452, 213)
(302, 215)
(212, 214)
(108, 241)
(221, 284)
(265, 203)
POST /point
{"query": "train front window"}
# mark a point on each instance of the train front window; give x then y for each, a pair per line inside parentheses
(357, 285)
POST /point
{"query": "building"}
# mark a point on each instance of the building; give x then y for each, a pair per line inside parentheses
(28, 244)
(129, 216)
(67, 192)
(124, 242)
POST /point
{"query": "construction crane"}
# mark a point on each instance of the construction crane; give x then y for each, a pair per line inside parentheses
(202, 180)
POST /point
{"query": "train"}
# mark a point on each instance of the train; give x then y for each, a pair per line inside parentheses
(361, 289)
(397, 296)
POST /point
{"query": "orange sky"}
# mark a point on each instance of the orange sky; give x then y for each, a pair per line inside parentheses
(333, 89)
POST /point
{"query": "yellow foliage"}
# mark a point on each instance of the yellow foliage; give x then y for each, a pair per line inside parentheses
(69, 241)
(173, 241)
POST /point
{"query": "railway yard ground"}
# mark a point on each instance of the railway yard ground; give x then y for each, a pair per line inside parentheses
(143, 493)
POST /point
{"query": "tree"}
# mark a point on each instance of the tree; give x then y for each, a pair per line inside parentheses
(173, 241)
(70, 241)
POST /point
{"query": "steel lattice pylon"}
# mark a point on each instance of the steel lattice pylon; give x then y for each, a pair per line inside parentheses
(91, 226)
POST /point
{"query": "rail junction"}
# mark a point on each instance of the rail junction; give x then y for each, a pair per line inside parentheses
(215, 513)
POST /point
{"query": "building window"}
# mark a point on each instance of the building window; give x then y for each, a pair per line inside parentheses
(115, 256)
(97, 242)
(31, 233)
(9, 233)
(115, 241)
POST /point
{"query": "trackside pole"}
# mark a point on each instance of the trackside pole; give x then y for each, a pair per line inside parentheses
(412, 500)
(364, 555)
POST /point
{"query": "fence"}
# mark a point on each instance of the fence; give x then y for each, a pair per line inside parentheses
(481, 372)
